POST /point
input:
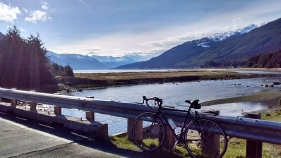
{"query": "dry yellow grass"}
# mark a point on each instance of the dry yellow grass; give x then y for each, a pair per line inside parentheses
(98, 80)
(159, 75)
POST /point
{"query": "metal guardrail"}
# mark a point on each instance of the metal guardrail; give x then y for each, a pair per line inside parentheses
(246, 128)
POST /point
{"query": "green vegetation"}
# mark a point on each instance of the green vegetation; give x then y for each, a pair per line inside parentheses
(272, 150)
(274, 115)
(59, 70)
(25, 65)
(265, 60)
(122, 141)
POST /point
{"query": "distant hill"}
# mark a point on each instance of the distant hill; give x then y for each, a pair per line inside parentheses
(113, 62)
(234, 50)
(237, 50)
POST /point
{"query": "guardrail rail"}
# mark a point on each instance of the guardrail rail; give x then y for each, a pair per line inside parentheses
(240, 127)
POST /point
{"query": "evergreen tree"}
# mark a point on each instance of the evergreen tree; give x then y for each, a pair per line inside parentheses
(68, 71)
(39, 65)
(12, 58)
(268, 60)
(23, 63)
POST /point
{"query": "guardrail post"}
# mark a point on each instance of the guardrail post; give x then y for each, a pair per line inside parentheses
(214, 137)
(102, 132)
(90, 116)
(57, 110)
(170, 138)
(13, 102)
(253, 147)
(138, 130)
(33, 106)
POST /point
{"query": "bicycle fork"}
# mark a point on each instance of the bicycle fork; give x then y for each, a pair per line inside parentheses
(178, 139)
(174, 147)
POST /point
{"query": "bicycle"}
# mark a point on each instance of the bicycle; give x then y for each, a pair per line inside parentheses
(202, 137)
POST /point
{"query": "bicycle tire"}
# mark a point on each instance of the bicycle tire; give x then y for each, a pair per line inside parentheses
(152, 132)
(205, 138)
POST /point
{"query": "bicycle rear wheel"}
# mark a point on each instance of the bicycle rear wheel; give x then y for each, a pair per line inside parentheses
(205, 138)
(148, 131)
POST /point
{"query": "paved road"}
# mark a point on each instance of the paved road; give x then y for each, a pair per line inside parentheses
(22, 137)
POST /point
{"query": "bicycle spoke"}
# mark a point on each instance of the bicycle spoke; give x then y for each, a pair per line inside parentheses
(153, 133)
(207, 139)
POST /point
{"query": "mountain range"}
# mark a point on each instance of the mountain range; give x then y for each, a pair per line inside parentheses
(232, 49)
(92, 62)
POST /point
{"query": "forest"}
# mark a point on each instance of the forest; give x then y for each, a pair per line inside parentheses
(24, 63)
(268, 60)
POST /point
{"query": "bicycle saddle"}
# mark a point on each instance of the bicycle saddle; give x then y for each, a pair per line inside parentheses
(194, 103)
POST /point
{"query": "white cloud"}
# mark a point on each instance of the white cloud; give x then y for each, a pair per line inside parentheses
(8, 13)
(163, 38)
(237, 22)
(119, 44)
(37, 15)
(45, 6)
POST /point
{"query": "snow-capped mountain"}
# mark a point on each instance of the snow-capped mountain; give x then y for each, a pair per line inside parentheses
(207, 41)
(198, 52)
(224, 35)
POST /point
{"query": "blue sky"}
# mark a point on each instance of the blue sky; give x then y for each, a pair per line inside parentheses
(118, 27)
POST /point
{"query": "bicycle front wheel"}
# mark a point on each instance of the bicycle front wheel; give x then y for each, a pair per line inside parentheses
(148, 131)
(205, 138)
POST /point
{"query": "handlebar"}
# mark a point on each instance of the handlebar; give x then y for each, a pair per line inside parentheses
(157, 101)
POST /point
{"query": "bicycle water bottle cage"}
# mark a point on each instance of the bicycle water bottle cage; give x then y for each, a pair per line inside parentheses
(194, 104)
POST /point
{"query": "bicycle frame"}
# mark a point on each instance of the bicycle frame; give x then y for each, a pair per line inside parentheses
(160, 115)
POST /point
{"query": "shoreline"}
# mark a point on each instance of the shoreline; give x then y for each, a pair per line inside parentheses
(270, 98)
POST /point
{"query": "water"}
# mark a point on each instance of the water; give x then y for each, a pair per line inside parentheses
(161, 70)
(125, 70)
(256, 72)
(176, 93)
(236, 109)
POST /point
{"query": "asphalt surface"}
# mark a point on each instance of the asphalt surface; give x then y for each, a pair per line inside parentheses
(22, 137)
